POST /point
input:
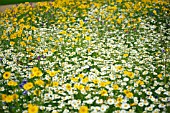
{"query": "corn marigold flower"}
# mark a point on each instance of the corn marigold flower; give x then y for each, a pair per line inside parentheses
(68, 86)
(12, 83)
(28, 86)
(115, 87)
(103, 92)
(125, 55)
(160, 76)
(83, 109)
(119, 1)
(119, 99)
(32, 108)
(55, 84)
(3, 96)
(52, 73)
(6, 75)
(39, 82)
(9, 98)
(15, 96)
(12, 43)
(34, 69)
(129, 95)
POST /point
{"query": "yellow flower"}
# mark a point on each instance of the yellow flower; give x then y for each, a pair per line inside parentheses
(146, 1)
(32, 108)
(103, 84)
(75, 79)
(51, 38)
(38, 39)
(13, 36)
(15, 96)
(160, 76)
(83, 109)
(125, 55)
(12, 43)
(131, 14)
(119, 99)
(125, 72)
(115, 87)
(31, 54)
(5, 37)
(34, 69)
(131, 74)
(58, 71)
(30, 38)
(52, 73)
(53, 50)
(14, 19)
(140, 82)
(39, 82)
(139, 20)
(38, 73)
(68, 87)
(55, 84)
(88, 38)
(62, 32)
(118, 105)
(12, 83)
(33, 28)
(23, 43)
(127, 5)
(129, 95)
(85, 80)
(108, 82)
(119, 1)
(9, 98)
(126, 91)
(28, 86)
(95, 81)
(81, 23)
(3, 96)
(32, 75)
(154, 12)
(80, 87)
(103, 92)
(87, 88)
(119, 20)
(81, 75)
(76, 86)
(6, 75)
(119, 68)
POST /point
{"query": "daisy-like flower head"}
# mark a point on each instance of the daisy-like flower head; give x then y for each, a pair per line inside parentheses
(9, 99)
(32, 108)
(12, 83)
(83, 109)
(39, 82)
(115, 87)
(103, 92)
(125, 106)
(110, 101)
(28, 86)
(6, 75)
(68, 86)
(3, 96)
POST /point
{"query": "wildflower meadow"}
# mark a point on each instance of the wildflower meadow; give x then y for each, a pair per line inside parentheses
(85, 56)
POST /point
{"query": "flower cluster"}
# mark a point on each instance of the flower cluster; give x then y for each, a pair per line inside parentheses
(85, 56)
